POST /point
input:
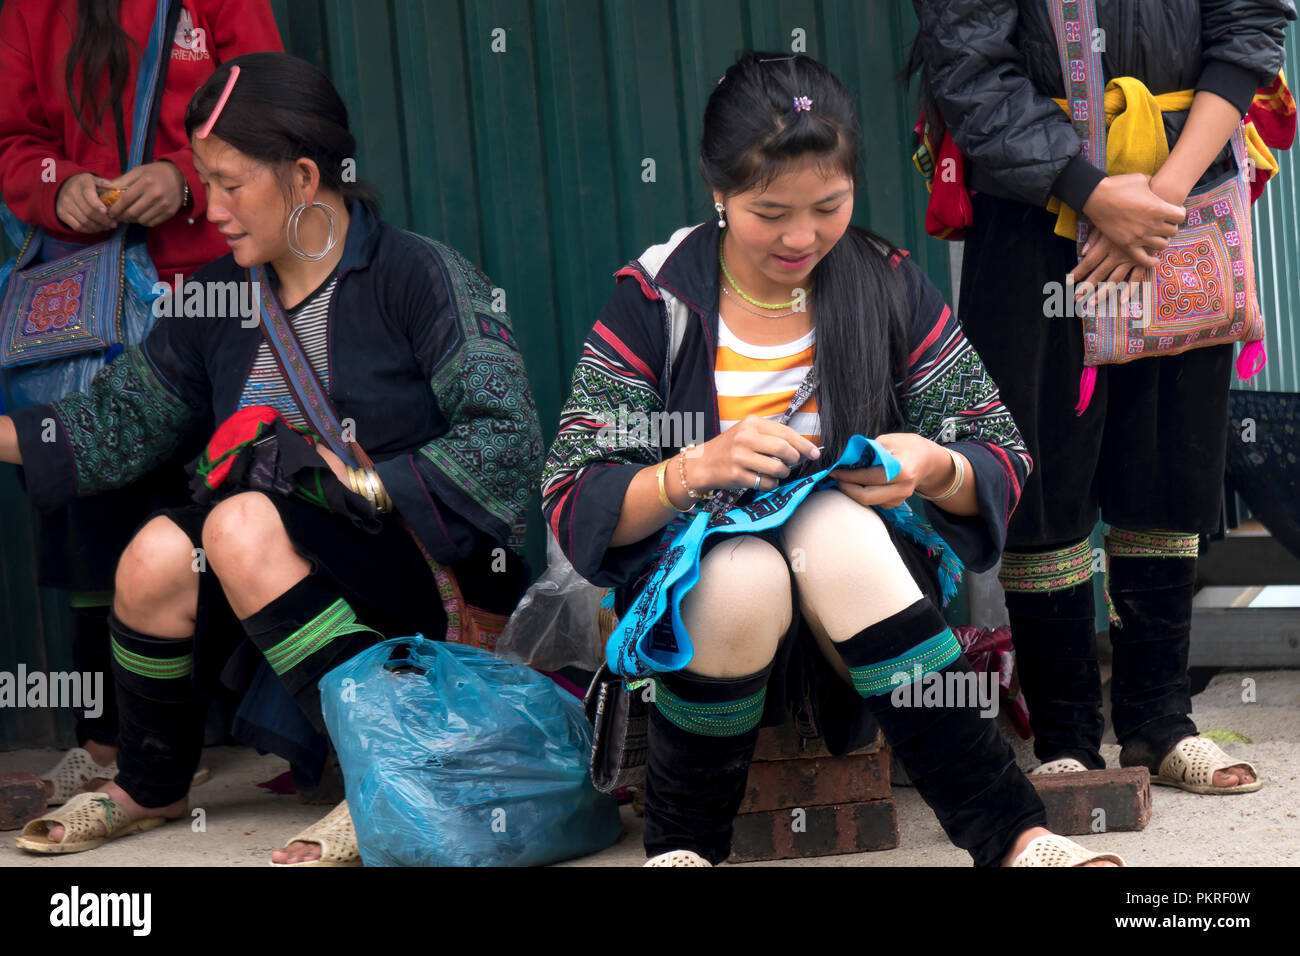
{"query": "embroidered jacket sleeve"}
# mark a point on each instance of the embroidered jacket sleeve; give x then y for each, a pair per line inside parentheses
(599, 448)
(135, 414)
(476, 477)
(950, 398)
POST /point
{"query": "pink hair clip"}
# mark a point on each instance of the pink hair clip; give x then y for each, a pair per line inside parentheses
(802, 104)
(221, 103)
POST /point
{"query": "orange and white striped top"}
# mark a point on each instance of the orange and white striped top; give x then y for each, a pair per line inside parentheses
(761, 380)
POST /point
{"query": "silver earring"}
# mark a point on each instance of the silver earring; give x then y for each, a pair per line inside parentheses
(722, 215)
(291, 232)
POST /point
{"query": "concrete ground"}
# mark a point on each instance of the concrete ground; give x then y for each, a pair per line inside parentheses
(241, 823)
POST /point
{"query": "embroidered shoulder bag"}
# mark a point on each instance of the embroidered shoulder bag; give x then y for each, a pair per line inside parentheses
(1202, 292)
(64, 318)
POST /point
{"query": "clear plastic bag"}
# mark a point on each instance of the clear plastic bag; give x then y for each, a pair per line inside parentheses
(556, 624)
(455, 757)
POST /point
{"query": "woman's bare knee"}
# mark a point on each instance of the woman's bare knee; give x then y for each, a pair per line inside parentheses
(740, 609)
(157, 583)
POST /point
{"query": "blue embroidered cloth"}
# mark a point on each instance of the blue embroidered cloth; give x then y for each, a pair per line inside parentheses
(646, 641)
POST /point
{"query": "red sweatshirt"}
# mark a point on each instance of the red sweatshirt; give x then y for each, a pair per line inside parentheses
(37, 122)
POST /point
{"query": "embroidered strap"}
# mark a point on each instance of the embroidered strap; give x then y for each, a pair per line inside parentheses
(157, 668)
(727, 718)
(1048, 570)
(336, 620)
(1123, 543)
(299, 375)
(930, 655)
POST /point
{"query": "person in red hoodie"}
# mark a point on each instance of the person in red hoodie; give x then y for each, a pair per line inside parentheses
(65, 63)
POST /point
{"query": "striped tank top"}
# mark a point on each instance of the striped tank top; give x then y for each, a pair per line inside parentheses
(761, 380)
(310, 322)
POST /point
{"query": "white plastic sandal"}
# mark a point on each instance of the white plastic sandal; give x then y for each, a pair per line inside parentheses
(678, 858)
(1063, 765)
(81, 818)
(71, 774)
(335, 835)
(1051, 849)
(1192, 764)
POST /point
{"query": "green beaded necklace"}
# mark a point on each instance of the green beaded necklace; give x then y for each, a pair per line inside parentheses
(770, 306)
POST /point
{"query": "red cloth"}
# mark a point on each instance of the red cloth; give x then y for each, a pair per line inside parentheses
(992, 652)
(37, 122)
(949, 213)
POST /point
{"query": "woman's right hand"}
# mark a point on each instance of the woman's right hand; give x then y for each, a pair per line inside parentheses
(79, 207)
(753, 446)
(1133, 217)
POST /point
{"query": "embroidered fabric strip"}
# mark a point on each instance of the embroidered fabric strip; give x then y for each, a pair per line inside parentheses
(652, 637)
(1047, 571)
(335, 620)
(727, 718)
(932, 655)
(158, 668)
(1123, 543)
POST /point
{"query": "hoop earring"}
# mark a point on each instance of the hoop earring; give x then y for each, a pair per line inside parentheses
(722, 215)
(291, 232)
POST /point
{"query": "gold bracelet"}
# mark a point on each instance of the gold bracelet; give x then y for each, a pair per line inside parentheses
(381, 493)
(663, 493)
(957, 480)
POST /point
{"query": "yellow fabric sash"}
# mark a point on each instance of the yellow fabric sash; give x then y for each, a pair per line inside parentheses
(1135, 137)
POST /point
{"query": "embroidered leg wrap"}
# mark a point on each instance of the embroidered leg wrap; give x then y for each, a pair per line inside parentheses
(1152, 580)
(304, 633)
(1050, 600)
(701, 741)
(160, 715)
(958, 760)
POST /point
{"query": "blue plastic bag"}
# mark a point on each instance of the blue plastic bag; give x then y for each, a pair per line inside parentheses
(453, 756)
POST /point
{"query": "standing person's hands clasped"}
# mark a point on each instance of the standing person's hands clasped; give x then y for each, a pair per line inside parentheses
(1139, 222)
(150, 194)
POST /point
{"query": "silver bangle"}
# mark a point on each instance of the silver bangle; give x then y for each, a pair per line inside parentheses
(958, 480)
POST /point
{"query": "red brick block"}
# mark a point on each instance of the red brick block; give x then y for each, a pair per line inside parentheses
(814, 831)
(785, 743)
(780, 784)
(1095, 801)
(22, 798)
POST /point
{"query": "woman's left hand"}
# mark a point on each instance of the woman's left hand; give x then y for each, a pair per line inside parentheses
(921, 463)
(151, 194)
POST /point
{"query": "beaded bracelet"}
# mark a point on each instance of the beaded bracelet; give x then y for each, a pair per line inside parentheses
(681, 473)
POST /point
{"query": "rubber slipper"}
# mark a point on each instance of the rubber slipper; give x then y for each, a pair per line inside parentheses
(79, 817)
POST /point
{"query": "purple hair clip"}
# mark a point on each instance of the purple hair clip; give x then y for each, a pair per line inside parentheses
(802, 104)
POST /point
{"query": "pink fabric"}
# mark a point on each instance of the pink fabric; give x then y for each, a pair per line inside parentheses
(1087, 383)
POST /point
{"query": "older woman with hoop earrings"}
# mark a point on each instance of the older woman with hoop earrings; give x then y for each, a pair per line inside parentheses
(302, 548)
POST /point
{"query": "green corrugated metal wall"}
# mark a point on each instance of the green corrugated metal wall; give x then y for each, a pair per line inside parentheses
(530, 161)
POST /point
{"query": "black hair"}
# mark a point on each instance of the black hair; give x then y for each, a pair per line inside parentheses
(280, 110)
(98, 43)
(753, 134)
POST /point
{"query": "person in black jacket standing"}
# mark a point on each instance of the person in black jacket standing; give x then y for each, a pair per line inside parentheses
(1149, 450)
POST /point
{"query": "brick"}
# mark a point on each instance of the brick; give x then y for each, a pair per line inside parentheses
(22, 798)
(1072, 799)
(826, 831)
(817, 781)
(785, 743)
